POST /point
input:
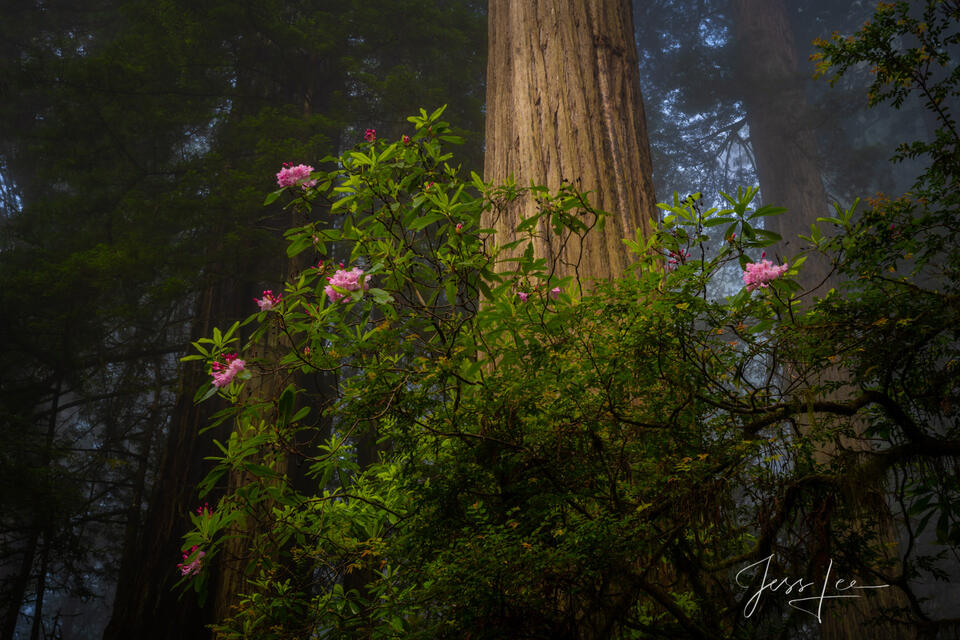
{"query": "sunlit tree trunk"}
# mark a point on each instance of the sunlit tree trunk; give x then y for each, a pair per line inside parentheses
(782, 134)
(564, 103)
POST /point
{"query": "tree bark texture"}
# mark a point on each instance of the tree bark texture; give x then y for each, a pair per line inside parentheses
(564, 103)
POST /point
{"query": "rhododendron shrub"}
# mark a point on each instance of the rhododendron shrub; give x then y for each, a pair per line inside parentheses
(592, 464)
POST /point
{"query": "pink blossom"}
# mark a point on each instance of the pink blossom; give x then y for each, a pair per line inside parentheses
(677, 258)
(523, 295)
(406, 139)
(555, 293)
(760, 274)
(191, 568)
(349, 280)
(268, 301)
(291, 175)
(370, 135)
(205, 510)
(459, 227)
(223, 374)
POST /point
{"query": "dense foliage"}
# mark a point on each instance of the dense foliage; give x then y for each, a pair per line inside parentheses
(578, 460)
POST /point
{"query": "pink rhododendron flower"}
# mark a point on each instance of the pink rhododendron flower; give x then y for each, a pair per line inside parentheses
(223, 374)
(406, 139)
(268, 301)
(205, 510)
(555, 293)
(459, 227)
(760, 274)
(677, 258)
(349, 280)
(191, 568)
(370, 135)
(291, 175)
(523, 295)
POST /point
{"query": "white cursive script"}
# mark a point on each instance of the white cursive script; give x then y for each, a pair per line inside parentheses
(799, 585)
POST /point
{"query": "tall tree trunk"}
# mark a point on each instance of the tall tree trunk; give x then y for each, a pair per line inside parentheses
(785, 150)
(781, 132)
(564, 103)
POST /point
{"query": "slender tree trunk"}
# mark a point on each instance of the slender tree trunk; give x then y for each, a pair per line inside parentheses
(564, 103)
(37, 627)
(19, 590)
(42, 528)
(785, 149)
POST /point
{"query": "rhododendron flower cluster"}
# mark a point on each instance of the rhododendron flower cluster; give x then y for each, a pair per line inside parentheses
(205, 510)
(523, 295)
(555, 293)
(345, 279)
(191, 568)
(760, 274)
(677, 258)
(291, 175)
(268, 301)
(406, 139)
(224, 373)
(370, 135)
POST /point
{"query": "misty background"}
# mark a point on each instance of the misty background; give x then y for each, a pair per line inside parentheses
(137, 141)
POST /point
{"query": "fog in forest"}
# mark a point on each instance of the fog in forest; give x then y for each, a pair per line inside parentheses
(137, 143)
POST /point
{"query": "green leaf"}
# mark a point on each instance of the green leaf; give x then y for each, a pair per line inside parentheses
(271, 197)
(298, 246)
(285, 404)
(714, 222)
(425, 220)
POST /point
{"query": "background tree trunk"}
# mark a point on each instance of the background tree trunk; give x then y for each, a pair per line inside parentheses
(781, 131)
(782, 134)
(564, 103)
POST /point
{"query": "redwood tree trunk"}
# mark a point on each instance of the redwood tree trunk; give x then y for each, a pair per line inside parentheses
(785, 150)
(781, 131)
(564, 103)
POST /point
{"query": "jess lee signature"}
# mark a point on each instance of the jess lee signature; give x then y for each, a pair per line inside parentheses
(788, 585)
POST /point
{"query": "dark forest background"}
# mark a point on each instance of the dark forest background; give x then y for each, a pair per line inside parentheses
(137, 140)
